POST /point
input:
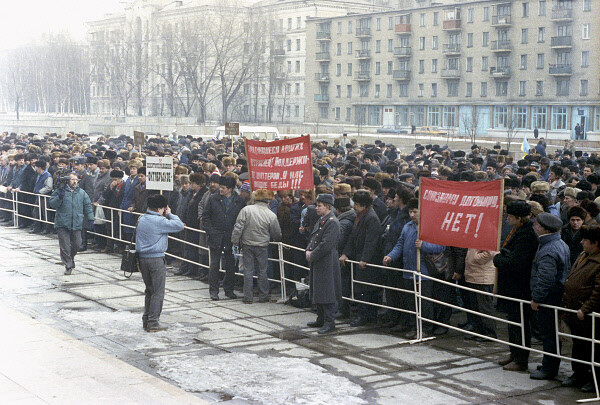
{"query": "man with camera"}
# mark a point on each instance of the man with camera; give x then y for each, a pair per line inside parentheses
(73, 207)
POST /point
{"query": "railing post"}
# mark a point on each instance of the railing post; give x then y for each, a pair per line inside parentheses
(282, 271)
(16, 197)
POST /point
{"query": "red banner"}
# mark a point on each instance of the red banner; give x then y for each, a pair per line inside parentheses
(280, 165)
(461, 214)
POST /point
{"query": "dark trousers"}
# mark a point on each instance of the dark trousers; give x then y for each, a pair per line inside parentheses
(393, 298)
(367, 311)
(190, 252)
(69, 242)
(326, 313)
(24, 210)
(444, 293)
(547, 328)
(225, 253)
(154, 271)
(519, 356)
(582, 350)
(344, 305)
(483, 304)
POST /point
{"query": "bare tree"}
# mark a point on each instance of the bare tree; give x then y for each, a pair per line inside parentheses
(511, 131)
(470, 124)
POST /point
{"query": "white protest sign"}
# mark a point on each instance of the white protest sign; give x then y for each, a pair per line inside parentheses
(159, 173)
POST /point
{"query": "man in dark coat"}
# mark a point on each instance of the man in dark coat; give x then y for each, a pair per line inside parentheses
(27, 185)
(514, 273)
(570, 232)
(192, 222)
(322, 255)
(218, 218)
(363, 247)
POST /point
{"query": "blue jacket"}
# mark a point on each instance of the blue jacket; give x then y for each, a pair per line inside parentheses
(71, 209)
(405, 249)
(550, 270)
(151, 238)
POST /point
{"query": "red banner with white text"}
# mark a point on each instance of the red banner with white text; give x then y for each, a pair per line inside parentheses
(280, 165)
(461, 214)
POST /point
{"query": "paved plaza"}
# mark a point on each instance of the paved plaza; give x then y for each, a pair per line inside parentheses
(79, 339)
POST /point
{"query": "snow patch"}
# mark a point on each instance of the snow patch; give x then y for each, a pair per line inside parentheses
(268, 380)
(13, 282)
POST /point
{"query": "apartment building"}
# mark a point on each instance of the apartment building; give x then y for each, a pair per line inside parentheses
(494, 67)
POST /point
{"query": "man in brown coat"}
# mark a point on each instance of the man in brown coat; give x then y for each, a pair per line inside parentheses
(582, 293)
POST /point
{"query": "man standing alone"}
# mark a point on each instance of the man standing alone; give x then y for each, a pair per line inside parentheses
(151, 241)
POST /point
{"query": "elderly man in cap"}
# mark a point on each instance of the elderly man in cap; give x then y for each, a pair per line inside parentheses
(548, 274)
(322, 256)
(256, 226)
(218, 219)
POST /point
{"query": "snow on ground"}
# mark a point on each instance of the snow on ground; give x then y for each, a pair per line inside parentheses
(14, 283)
(268, 380)
(127, 326)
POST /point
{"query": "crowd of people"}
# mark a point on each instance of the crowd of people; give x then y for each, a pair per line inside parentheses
(363, 211)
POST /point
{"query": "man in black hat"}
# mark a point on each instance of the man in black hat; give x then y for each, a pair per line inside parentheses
(548, 274)
(218, 220)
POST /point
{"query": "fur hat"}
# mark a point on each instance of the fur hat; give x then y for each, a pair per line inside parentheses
(539, 185)
(342, 188)
(518, 209)
(228, 160)
(263, 195)
(104, 163)
(116, 174)
(577, 211)
(135, 163)
(181, 170)
(571, 192)
(142, 170)
(326, 199)
(227, 181)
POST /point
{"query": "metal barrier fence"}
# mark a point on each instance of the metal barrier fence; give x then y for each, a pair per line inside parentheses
(11, 203)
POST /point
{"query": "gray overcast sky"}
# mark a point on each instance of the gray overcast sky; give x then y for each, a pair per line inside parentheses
(24, 20)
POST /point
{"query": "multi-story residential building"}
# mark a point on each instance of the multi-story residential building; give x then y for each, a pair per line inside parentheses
(160, 57)
(498, 67)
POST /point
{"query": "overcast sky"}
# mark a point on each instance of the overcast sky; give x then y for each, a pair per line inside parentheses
(24, 20)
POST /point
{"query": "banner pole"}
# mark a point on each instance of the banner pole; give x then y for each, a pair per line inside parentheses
(500, 217)
(419, 290)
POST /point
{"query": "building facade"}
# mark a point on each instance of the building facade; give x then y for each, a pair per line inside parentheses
(499, 68)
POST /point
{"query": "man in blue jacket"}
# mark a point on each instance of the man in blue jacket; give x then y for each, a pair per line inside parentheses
(548, 274)
(72, 204)
(151, 242)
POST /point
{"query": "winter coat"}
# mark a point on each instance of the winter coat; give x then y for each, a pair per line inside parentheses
(406, 250)
(128, 188)
(346, 220)
(582, 286)
(363, 245)
(380, 208)
(256, 225)
(218, 222)
(71, 209)
(86, 183)
(191, 212)
(139, 202)
(550, 269)
(514, 263)
(102, 183)
(43, 184)
(283, 216)
(325, 276)
(479, 267)
(573, 241)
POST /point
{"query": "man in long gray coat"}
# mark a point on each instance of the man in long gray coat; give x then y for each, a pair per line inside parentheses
(322, 255)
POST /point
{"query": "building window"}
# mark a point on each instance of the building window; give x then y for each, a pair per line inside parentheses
(449, 116)
(390, 45)
(541, 34)
(421, 66)
(469, 91)
(350, 31)
(500, 116)
(520, 117)
(289, 45)
(470, 40)
(378, 24)
(421, 43)
(524, 35)
(323, 112)
(388, 92)
(587, 5)
(297, 111)
(289, 24)
(348, 114)
(539, 88)
(338, 69)
(339, 49)
(484, 63)
(525, 9)
(562, 87)
(390, 69)
(501, 89)
(433, 89)
(337, 113)
(297, 44)
(434, 42)
(485, 38)
(470, 64)
(421, 89)
(585, 31)
(377, 90)
(338, 91)
(297, 89)
(433, 116)
(349, 69)
(377, 68)
(452, 89)
(378, 46)
(559, 117)
(349, 91)
(363, 90)
(403, 90)
(540, 61)
(434, 65)
(585, 59)
(470, 15)
(390, 23)
(486, 14)
(349, 48)
(339, 27)
(483, 89)
(542, 8)
(297, 66)
(422, 20)
(523, 62)
(522, 88)
(436, 18)
(538, 117)
(584, 88)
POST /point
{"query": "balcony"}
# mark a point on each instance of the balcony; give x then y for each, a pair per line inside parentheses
(500, 72)
(322, 77)
(452, 25)
(402, 51)
(501, 21)
(363, 54)
(402, 29)
(324, 35)
(322, 56)
(561, 42)
(322, 98)
(362, 76)
(402, 74)
(277, 52)
(451, 73)
(452, 49)
(561, 70)
(363, 32)
(562, 14)
(501, 46)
